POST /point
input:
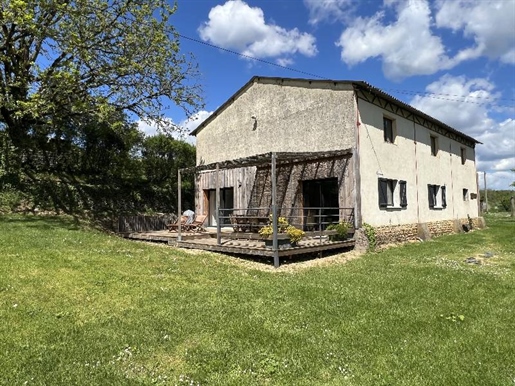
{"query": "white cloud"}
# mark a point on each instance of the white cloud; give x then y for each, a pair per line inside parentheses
(410, 46)
(178, 131)
(237, 26)
(497, 154)
(148, 128)
(460, 102)
(466, 104)
(491, 25)
(407, 47)
(192, 123)
(331, 10)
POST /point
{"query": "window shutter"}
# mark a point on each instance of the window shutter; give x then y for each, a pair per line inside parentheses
(404, 199)
(383, 192)
(430, 195)
(444, 200)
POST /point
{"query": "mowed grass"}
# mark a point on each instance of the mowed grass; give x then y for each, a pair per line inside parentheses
(78, 307)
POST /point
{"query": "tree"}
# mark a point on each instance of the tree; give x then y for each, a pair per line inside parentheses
(62, 59)
(162, 157)
(73, 72)
(513, 183)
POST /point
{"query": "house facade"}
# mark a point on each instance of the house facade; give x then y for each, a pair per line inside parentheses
(339, 144)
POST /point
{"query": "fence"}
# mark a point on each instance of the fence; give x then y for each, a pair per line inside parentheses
(144, 223)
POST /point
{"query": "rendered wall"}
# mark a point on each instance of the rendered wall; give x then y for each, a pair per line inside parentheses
(409, 158)
(291, 116)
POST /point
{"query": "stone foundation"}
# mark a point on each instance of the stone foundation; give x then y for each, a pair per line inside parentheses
(396, 234)
(438, 228)
(424, 231)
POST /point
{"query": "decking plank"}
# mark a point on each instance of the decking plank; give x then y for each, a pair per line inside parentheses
(245, 246)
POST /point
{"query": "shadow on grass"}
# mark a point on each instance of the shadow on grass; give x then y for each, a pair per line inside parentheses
(43, 222)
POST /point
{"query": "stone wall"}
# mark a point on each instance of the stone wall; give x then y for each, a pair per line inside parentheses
(396, 234)
(438, 228)
(410, 232)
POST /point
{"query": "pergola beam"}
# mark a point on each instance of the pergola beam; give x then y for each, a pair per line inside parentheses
(264, 159)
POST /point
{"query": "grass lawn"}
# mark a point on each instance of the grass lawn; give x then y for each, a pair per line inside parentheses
(78, 307)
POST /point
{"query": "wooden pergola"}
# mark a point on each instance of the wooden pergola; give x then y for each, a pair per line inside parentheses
(273, 159)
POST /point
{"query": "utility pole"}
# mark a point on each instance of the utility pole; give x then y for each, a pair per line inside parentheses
(486, 193)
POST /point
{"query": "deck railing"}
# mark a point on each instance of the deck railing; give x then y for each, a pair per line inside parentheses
(306, 218)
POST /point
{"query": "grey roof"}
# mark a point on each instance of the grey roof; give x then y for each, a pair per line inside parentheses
(356, 84)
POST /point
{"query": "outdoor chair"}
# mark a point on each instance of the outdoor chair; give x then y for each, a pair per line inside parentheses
(175, 226)
(198, 224)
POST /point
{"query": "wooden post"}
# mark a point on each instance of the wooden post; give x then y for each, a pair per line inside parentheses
(320, 224)
(486, 193)
(217, 214)
(179, 208)
(274, 211)
(512, 202)
(479, 209)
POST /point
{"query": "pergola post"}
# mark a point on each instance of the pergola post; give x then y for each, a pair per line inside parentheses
(275, 248)
(179, 208)
(217, 215)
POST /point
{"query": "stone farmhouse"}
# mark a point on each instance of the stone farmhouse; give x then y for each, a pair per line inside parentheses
(343, 150)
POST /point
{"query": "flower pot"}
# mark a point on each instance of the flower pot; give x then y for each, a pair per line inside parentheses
(283, 241)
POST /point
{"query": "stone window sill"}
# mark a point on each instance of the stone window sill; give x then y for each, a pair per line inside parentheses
(393, 208)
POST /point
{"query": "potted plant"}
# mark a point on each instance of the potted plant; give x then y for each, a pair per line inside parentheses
(287, 235)
(342, 230)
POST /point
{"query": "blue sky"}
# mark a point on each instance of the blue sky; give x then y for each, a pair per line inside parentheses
(453, 59)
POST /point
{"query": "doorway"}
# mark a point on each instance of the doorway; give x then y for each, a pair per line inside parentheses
(226, 203)
(321, 203)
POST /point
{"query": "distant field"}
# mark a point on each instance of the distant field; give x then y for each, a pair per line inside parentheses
(78, 307)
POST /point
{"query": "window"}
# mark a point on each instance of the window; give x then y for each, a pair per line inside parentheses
(463, 155)
(388, 130)
(392, 193)
(434, 145)
(465, 194)
(437, 196)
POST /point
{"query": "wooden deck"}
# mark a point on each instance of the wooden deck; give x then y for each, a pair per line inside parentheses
(239, 244)
(163, 236)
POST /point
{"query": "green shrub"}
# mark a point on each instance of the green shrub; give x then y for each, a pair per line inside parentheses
(10, 199)
(342, 230)
(370, 234)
